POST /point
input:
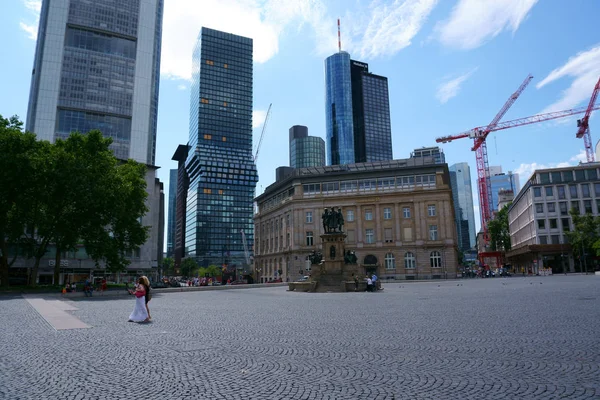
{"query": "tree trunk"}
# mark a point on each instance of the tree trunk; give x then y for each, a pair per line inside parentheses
(3, 262)
(34, 271)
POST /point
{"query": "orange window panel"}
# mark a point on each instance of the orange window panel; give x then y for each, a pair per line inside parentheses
(220, 191)
(203, 100)
(224, 138)
(224, 104)
(210, 62)
(207, 136)
(207, 191)
(225, 66)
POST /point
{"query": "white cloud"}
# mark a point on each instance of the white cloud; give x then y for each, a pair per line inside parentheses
(258, 118)
(526, 170)
(473, 22)
(584, 68)
(181, 87)
(450, 89)
(31, 27)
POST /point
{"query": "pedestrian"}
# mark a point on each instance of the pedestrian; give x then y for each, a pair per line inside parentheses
(140, 312)
(148, 297)
(103, 285)
(369, 284)
(355, 278)
(374, 280)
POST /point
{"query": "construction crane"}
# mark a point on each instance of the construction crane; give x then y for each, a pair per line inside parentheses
(262, 133)
(584, 127)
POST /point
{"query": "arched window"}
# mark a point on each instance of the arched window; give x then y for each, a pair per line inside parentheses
(436, 259)
(409, 260)
(390, 261)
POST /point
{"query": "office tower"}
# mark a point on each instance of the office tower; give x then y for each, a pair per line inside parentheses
(171, 219)
(433, 153)
(305, 151)
(501, 181)
(356, 111)
(462, 193)
(371, 114)
(97, 66)
(221, 170)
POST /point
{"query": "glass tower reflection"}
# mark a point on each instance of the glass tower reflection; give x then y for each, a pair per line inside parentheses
(338, 109)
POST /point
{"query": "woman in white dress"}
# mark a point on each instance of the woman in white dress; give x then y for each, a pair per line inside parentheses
(140, 313)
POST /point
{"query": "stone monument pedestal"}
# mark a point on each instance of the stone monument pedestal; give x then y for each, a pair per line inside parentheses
(333, 274)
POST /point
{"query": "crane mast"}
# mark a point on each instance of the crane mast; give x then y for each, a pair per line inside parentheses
(584, 127)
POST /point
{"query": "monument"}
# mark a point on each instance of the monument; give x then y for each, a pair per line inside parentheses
(333, 269)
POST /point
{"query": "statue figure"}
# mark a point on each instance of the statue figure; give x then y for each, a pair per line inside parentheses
(340, 220)
(326, 217)
(332, 252)
(315, 257)
(350, 257)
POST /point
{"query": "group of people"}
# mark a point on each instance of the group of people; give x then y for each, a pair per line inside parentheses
(88, 287)
(141, 311)
(372, 284)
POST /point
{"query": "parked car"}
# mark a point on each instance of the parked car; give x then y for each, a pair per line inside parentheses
(304, 278)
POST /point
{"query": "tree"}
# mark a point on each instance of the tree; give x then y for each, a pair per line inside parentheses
(499, 233)
(215, 271)
(584, 236)
(188, 267)
(168, 266)
(17, 149)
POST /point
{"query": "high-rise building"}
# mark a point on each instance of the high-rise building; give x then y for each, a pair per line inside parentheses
(305, 151)
(435, 152)
(221, 170)
(97, 66)
(462, 193)
(171, 220)
(501, 181)
(356, 111)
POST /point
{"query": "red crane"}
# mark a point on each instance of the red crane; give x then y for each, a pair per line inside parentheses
(483, 169)
(584, 127)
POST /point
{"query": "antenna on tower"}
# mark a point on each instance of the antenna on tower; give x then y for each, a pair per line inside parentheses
(339, 37)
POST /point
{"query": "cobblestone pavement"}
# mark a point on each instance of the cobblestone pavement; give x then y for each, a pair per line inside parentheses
(501, 338)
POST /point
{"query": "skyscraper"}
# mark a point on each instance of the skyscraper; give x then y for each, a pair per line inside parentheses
(97, 66)
(435, 152)
(357, 112)
(171, 219)
(221, 170)
(464, 213)
(305, 151)
(501, 181)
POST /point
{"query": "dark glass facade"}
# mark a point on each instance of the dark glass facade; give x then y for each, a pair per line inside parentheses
(305, 151)
(338, 109)
(349, 85)
(222, 174)
(171, 219)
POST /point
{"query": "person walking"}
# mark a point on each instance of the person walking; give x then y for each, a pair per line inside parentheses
(148, 297)
(140, 312)
(369, 284)
(374, 280)
(355, 278)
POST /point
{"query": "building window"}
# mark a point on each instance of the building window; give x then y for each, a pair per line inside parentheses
(585, 190)
(390, 261)
(597, 189)
(561, 192)
(388, 235)
(431, 210)
(544, 239)
(408, 234)
(565, 224)
(551, 207)
(545, 177)
(553, 223)
(575, 206)
(435, 259)
(556, 177)
(350, 215)
(541, 224)
(387, 213)
(539, 208)
(309, 217)
(433, 233)
(555, 239)
(549, 192)
(368, 215)
(567, 176)
(351, 238)
(309, 238)
(573, 191)
(370, 236)
(409, 260)
(580, 175)
(287, 240)
(406, 212)
(537, 192)
(587, 205)
(564, 210)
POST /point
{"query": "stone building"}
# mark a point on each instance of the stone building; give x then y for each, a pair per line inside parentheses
(399, 219)
(539, 217)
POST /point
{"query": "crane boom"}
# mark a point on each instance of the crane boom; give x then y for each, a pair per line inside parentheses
(584, 127)
(262, 133)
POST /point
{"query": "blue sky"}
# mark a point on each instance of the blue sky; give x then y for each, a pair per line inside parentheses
(451, 65)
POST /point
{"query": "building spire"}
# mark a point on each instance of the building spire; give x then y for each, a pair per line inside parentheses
(339, 37)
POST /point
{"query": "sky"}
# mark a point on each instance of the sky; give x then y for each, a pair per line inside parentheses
(450, 64)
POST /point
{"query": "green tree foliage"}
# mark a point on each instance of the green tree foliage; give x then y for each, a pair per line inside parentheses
(17, 151)
(74, 190)
(168, 266)
(499, 233)
(584, 236)
(214, 270)
(188, 267)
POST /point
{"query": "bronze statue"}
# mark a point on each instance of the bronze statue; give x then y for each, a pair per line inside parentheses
(333, 221)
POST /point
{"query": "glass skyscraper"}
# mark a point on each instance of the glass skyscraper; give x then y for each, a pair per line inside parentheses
(357, 112)
(221, 170)
(464, 213)
(305, 151)
(171, 219)
(502, 181)
(97, 66)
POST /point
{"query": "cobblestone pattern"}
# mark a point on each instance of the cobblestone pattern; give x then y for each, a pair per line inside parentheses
(514, 338)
